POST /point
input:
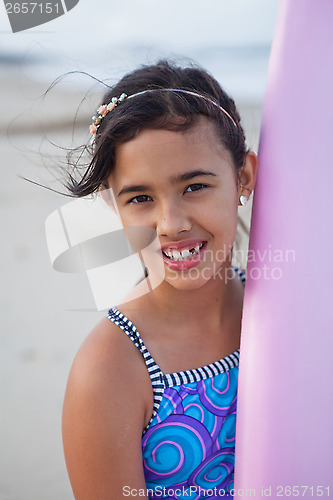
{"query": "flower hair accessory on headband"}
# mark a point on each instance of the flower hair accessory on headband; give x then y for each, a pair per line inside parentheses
(106, 108)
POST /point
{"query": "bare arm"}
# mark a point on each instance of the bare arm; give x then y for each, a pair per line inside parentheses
(104, 412)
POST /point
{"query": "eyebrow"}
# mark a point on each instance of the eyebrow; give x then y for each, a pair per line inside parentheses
(175, 179)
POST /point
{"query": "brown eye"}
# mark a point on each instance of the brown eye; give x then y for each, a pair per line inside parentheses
(195, 187)
(142, 198)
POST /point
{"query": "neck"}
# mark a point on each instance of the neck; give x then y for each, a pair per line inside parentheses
(203, 307)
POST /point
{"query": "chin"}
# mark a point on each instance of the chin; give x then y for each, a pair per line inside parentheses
(186, 284)
(185, 280)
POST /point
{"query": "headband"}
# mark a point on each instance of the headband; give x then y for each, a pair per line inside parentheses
(115, 101)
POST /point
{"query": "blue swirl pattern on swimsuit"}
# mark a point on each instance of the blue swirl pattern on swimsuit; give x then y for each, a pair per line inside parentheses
(190, 444)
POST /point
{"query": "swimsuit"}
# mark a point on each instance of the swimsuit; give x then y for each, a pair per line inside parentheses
(188, 446)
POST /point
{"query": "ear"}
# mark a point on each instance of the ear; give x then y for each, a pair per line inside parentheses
(107, 194)
(248, 175)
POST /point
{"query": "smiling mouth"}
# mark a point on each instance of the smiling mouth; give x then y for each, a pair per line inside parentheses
(183, 255)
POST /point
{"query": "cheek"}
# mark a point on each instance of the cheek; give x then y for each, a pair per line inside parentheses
(222, 212)
(130, 217)
(223, 226)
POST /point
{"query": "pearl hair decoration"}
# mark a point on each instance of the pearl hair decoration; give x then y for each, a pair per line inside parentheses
(104, 109)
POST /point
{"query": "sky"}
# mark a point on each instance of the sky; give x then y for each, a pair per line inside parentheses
(174, 24)
(103, 37)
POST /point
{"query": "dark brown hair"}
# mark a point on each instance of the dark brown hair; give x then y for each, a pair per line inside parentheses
(158, 110)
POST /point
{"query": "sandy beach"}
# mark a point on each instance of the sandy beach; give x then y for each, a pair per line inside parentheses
(42, 319)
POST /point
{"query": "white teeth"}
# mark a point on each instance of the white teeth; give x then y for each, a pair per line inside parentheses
(185, 254)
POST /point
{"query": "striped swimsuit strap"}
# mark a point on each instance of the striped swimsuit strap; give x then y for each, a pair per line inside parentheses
(155, 373)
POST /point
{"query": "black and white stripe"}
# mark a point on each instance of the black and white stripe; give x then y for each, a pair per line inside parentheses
(240, 273)
(197, 374)
(154, 370)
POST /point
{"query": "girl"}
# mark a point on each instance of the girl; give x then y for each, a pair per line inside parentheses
(150, 405)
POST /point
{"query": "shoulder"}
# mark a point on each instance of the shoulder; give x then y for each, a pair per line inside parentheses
(107, 358)
(104, 412)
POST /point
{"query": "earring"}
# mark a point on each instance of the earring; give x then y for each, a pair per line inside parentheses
(244, 199)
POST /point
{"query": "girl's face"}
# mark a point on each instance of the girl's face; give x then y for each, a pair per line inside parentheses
(183, 185)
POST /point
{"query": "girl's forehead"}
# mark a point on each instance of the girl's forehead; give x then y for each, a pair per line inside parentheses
(159, 159)
(202, 129)
(200, 142)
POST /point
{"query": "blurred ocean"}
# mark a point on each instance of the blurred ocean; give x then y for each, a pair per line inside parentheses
(241, 69)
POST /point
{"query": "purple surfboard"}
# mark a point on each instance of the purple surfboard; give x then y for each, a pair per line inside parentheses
(284, 444)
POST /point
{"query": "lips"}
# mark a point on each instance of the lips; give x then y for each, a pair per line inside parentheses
(179, 245)
(183, 254)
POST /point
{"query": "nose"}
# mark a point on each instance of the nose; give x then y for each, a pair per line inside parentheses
(172, 219)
